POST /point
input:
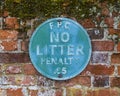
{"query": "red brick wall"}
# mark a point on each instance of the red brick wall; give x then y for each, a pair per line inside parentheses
(18, 77)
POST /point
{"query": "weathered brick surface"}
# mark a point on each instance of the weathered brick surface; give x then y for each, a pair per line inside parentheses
(14, 57)
(28, 80)
(80, 80)
(13, 69)
(103, 46)
(18, 76)
(101, 81)
(103, 92)
(113, 31)
(96, 33)
(42, 81)
(29, 69)
(8, 34)
(91, 93)
(99, 58)
(115, 58)
(11, 23)
(115, 81)
(98, 70)
(14, 92)
(9, 45)
(20, 80)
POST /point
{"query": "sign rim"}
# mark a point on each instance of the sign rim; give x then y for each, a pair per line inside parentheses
(43, 72)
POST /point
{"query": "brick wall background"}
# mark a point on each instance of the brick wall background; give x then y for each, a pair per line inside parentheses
(18, 76)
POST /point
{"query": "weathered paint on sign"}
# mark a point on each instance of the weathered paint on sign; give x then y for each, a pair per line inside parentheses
(60, 48)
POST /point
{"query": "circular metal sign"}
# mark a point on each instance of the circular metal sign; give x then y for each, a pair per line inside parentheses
(60, 48)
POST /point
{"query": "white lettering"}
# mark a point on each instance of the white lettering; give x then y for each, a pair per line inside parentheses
(79, 50)
(67, 25)
(54, 37)
(51, 25)
(70, 50)
(43, 61)
(53, 49)
(59, 37)
(65, 37)
(59, 24)
(38, 50)
(61, 49)
(55, 61)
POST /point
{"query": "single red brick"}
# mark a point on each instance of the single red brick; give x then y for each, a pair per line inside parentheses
(104, 92)
(29, 69)
(21, 80)
(114, 92)
(103, 45)
(115, 58)
(101, 81)
(92, 93)
(8, 34)
(14, 57)
(99, 58)
(14, 92)
(115, 81)
(113, 31)
(81, 80)
(13, 69)
(33, 92)
(96, 33)
(9, 45)
(11, 22)
(42, 81)
(73, 92)
(98, 70)
(10, 80)
(29, 80)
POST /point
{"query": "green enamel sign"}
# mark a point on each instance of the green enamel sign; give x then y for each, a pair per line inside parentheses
(60, 48)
